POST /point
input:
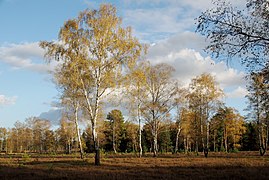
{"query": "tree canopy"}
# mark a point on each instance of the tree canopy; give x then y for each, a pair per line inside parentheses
(91, 50)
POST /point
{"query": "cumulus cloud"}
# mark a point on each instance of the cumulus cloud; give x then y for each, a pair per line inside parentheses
(156, 19)
(169, 27)
(4, 100)
(25, 56)
(184, 55)
(239, 92)
(176, 42)
(229, 77)
(159, 21)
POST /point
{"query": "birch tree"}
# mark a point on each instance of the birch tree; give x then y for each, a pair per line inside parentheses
(72, 108)
(3, 139)
(94, 47)
(67, 82)
(181, 103)
(135, 83)
(159, 101)
(204, 97)
(186, 129)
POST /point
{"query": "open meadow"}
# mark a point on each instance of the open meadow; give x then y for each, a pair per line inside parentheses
(242, 165)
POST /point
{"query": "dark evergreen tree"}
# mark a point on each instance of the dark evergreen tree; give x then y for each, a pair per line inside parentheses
(250, 138)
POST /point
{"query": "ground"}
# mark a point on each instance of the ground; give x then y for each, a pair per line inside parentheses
(242, 165)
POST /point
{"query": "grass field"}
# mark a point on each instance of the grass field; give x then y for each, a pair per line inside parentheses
(242, 165)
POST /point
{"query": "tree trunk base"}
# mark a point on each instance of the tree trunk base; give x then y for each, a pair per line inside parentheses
(81, 156)
(97, 158)
(206, 152)
(262, 151)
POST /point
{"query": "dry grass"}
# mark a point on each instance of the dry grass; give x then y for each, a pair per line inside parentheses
(243, 165)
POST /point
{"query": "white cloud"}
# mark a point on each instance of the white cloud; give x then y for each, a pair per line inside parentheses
(4, 100)
(156, 23)
(189, 62)
(182, 40)
(230, 77)
(157, 19)
(25, 56)
(238, 93)
(193, 4)
(206, 4)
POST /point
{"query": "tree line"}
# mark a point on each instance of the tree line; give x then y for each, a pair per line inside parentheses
(228, 133)
(192, 119)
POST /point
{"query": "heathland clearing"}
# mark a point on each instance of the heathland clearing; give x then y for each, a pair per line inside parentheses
(243, 165)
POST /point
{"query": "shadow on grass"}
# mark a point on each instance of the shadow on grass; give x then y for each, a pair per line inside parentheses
(110, 169)
(78, 163)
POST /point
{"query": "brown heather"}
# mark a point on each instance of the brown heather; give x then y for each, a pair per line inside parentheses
(243, 165)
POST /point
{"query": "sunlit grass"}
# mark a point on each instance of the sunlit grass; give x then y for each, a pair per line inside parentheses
(243, 165)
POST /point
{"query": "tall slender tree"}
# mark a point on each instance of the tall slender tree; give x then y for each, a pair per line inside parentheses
(258, 107)
(93, 48)
(181, 104)
(70, 98)
(204, 98)
(159, 100)
(135, 83)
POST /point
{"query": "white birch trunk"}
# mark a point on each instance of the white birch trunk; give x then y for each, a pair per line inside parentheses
(177, 138)
(140, 132)
(77, 129)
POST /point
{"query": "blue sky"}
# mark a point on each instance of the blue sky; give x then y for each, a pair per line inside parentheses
(26, 88)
